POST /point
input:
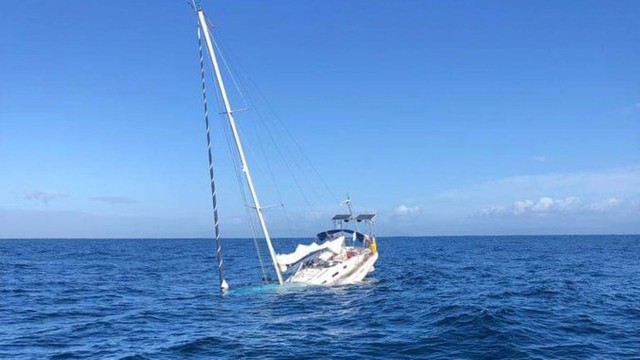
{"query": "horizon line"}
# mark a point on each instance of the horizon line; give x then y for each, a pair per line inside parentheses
(296, 238)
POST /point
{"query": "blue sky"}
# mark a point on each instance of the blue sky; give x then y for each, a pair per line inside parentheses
(447, 118)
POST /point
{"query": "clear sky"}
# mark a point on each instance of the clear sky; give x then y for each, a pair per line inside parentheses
(445, 117)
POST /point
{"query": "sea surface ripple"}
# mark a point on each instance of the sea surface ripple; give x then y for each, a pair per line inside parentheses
(536, 297)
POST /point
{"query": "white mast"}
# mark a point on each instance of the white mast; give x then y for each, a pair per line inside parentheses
(234, 130)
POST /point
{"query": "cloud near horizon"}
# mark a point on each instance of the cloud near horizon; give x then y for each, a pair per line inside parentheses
(404, 210)
(120, 200)
(43, 196)
(620, 183)
(547, 205)
(604, 201)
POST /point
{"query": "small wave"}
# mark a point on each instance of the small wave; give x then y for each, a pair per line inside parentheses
(134, 357)
(211, 345)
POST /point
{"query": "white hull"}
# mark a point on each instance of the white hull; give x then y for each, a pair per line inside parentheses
(350, 266)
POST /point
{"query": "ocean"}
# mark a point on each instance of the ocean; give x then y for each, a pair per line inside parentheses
(533, 297)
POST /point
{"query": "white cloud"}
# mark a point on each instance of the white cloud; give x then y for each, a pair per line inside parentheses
(521, 206)
(570, 205)
(602, 201)
(620, 183)
(539, 158)
(543, 205)
(404, 210)
(608, 204)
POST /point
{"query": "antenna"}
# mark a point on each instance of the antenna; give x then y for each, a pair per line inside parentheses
(347, 203)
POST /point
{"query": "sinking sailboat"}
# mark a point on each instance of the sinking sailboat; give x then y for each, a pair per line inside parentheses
(341, 255)
(344, 256)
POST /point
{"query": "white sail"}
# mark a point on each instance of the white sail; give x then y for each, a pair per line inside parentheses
(304, 250)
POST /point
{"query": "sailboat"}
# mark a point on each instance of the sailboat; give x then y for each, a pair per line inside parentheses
(340, 255)
(344, 256)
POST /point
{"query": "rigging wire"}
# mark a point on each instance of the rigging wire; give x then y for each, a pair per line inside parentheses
(238, 176)
(237, 166)
(270, 172)
(287, 163)
(231, 73)
(248, 100)
(289, 157)
(238, 83)
(293, 139)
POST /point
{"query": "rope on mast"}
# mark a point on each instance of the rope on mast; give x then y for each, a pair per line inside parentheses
(214, 199)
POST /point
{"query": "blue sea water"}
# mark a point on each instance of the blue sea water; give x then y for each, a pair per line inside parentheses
(538, 297)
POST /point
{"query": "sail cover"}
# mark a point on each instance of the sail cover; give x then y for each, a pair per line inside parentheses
(304, 250)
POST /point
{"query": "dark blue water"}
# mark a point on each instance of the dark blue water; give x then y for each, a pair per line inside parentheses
(570, 297)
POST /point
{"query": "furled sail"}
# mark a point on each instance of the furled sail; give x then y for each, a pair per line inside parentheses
(304, 250)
